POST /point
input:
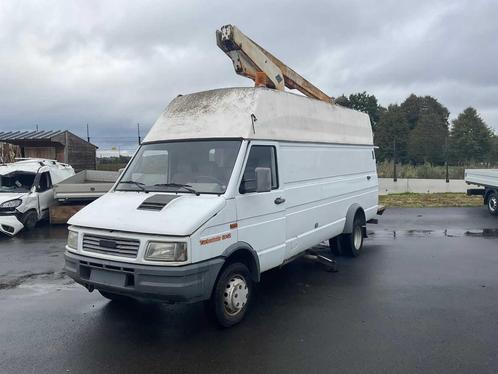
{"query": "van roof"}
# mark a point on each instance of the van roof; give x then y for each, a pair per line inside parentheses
(226, 113)
(58, 171)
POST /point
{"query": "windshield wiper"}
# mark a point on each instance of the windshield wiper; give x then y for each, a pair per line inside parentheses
(186, 187)
(138, 184)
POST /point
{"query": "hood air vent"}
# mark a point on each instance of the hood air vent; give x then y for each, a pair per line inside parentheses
(156, 202)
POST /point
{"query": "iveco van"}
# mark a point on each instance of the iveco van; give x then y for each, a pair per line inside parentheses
(227, 184)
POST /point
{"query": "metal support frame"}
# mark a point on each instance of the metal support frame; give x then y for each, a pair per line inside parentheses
(329, 262)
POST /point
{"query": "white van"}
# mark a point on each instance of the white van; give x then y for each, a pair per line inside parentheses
(227, 184)
(26, 192)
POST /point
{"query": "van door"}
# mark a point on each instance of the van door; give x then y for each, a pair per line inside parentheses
(261, 215)
(45, 193)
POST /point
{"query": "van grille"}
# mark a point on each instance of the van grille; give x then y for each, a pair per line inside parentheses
(111, 246)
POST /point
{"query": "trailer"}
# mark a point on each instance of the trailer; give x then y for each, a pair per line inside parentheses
(75, 192)
(487, 178)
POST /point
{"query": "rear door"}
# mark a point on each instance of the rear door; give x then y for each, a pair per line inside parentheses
(261, 215)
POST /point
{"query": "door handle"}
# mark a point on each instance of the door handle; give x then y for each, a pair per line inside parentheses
(369, 177)
(279, 200)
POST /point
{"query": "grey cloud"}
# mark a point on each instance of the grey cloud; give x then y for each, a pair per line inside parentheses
(115, 63)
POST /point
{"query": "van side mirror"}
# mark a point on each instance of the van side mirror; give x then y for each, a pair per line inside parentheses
(262, 182)
(120, 171)
(263, 179)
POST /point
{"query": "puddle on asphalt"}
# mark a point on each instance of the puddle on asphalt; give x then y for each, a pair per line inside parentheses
(39, 283)
(448, 233)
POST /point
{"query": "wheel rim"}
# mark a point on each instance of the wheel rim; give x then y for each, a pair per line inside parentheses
(236, 295)
(493, 204)
(357, 238)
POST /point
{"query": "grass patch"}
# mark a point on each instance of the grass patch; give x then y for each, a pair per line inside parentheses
(429, 200)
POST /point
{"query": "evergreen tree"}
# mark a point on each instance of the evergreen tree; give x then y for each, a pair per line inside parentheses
(343, 101)
(470, 139)
(414, 106)
(427, 141)
(365, 103)
(427, 144)
(493, 153)
(392, 127)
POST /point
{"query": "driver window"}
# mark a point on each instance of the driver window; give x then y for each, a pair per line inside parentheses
(259, 156)
(45, 182)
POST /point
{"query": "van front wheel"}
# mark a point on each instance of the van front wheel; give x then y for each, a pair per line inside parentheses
(232, 294)
(352, 243)
(30, 219)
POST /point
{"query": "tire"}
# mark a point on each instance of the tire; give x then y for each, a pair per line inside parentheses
(30, 219)
(493, 204)
(353, 243)
(115, 297)
(232, 295)
(335, 245)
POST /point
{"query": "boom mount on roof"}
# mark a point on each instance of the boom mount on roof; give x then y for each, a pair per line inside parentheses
(253, 61)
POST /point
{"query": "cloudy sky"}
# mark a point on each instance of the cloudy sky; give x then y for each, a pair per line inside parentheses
(115, 63)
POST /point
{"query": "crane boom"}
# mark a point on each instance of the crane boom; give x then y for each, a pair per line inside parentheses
(249, 59)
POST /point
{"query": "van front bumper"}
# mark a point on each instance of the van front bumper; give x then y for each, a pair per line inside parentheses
(10, 224)
(189, 283)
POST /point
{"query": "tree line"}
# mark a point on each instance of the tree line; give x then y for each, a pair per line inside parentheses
(418, 131)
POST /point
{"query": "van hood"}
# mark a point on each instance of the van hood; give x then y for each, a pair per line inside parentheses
(10, 196)
(151, 213)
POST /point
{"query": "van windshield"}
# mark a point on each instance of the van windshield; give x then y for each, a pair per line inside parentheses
(17, 182)
(182, 166)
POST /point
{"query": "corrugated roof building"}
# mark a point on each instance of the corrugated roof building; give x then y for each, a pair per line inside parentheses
(60, 145)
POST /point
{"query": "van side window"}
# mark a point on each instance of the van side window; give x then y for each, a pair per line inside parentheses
(45, 182)
(259, 156)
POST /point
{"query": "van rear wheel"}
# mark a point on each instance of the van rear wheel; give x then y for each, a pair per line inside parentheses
(493, 204)
(352, 243)
(232, 295)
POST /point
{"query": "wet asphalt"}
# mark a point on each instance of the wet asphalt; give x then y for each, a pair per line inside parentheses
(422, 298)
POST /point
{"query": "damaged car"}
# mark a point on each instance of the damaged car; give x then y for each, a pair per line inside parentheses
(26, 192)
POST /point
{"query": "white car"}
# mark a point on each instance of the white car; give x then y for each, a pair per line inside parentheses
(227, 184)
(26, 192)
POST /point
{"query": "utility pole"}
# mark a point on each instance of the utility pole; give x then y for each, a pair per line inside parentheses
(395, 177)
(87, 133)
(138, 131)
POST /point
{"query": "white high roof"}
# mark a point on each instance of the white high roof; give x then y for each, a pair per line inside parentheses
(226, 113)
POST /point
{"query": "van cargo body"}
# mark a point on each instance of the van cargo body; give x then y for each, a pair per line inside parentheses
(87, 185)
(227, 184)
(487, 178)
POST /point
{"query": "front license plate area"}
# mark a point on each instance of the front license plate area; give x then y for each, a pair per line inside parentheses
(110, 278)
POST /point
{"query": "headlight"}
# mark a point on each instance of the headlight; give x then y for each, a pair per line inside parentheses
(72, 239)
(163, 251)
(11, 204)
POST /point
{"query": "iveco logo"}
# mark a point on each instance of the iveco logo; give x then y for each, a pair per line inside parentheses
(107, 243)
